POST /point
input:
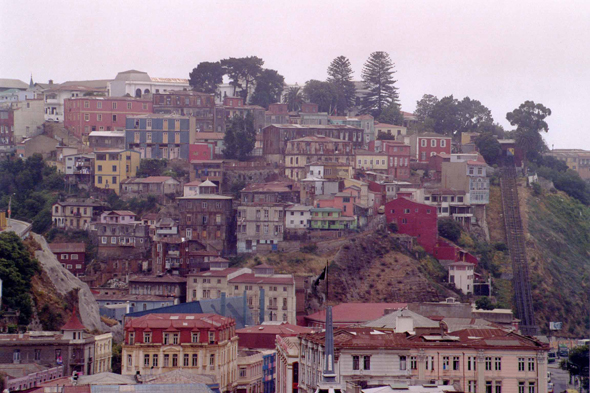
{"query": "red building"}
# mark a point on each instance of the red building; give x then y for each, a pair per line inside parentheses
(414, 219)
(398, 154)
(71, 255)
(86, 114)
(201, 151)
(264, 336)
(423, 146)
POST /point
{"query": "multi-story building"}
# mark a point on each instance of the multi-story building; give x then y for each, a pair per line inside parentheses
(269, 371)
(250, 370)
(139, 84)
(276, 137)
(79, 169)
(575, 159)
(331, 218)
(72, 256)
(72, 348)
(7, 140)
(341, 200)
(152, 185)
(469, 176)
(277, 114)
(117, 217)
(75, 214)
(122, 240)
(199, 343)
(272, 192)
(366, 160)
(86, 114)
(172, 287)
(398, 154)
(414, 219)
(260, 226)
(55, 96)
(201, 106)
(297, 217)
(113, 166)
(479, 361)
(287, 365)
(313, 149)
(364, 122)
(160, 136)
(24, 118)
(423, 146)
(270, 296)
(209, 219)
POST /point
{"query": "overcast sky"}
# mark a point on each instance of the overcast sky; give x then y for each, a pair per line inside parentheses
(498, 52)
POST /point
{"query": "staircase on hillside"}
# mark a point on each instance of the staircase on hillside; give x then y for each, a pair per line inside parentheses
(516, 247)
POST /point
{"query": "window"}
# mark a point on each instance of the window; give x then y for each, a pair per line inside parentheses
(128, 105)
(531, 365)
(185, 362)
(455, 363)
(114, 118)
(129, 360)
(99, 105)
(211, 337)
(166, 360)
(433, 143)
(86, 117)
(356, 362)
(521, 387)
(445, 365)
(471, 363)
(520, 364)
(443, 143)
(147, 338)
(146, 360)
(423, 142)
(114, 168)
(155, 361)
(413, 363)
(498, 387)
(131, 338)
(242, 372)
(488, 386)
(74, 256)
(488, 363)
(175, 360)
(99, 117)
(114, 106)
(166, 339)
(175, 338)
(472, 387)
(212, 360)
(64, 256)
(366, 362)
(430, 363)
(195, 360)
(498, 365)
(402, 362)
(195, 337)
(37, 354)
(531, 387)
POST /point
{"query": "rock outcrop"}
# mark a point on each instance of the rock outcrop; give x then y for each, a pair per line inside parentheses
(65, 282)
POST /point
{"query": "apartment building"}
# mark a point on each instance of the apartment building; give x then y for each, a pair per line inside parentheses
(260, 226)
(72, 256)
(204, 344)
(270, 296)
(479, 361)
(113, 166)
(86, 114)
(195, 104)
(425, 145)
(313, 149)
(75, 214)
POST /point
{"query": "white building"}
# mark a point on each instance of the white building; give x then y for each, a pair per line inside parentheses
(298, 217)
(287, 360)
(139, 83)
(461, 274)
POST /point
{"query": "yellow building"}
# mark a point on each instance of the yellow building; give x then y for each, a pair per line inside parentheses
(575, 159)
(371, 161)
(113, 166)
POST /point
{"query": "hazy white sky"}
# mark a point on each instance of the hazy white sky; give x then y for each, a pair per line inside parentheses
(499, 52)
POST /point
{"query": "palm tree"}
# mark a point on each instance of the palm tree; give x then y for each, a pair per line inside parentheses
(294, 98)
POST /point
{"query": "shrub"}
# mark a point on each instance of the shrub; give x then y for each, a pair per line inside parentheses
(449, 229)
(537, 190)
(393, 227)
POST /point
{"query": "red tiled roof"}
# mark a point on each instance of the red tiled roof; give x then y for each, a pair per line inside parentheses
(355, 312)
(73, 323)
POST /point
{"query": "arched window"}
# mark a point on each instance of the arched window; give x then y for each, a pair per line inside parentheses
(146, 91)
(138, 93)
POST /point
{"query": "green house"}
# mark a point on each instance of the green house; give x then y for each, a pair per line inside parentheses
(331, 218)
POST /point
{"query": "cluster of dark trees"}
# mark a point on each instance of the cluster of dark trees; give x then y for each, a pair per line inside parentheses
(243, 72)
(32, 186)
(335, 95)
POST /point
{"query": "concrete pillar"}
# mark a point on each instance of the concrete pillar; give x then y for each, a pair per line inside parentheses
(542, 367)
(421, 365)
(481, 367)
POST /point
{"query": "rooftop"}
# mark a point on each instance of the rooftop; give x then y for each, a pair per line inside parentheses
(356, 312)
(67, 247)
(178, 321)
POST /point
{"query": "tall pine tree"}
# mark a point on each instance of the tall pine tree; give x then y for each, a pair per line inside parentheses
(340, 75)
(378, 78)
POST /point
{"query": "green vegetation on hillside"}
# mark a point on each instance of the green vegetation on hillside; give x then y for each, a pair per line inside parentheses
(16, 271)
(33, 186)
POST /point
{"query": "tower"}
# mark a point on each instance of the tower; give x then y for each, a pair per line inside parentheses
(328, 383)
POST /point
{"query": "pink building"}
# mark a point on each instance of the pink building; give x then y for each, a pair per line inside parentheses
(86, 114)
(398, 154)
(117, 217)
(342, 200)
(201, 151)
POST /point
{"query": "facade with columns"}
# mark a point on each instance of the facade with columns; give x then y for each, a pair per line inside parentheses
(479, 361)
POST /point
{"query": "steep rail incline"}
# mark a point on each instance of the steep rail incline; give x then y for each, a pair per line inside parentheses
(516, 246)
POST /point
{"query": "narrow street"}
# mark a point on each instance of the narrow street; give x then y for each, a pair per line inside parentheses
(559, 378)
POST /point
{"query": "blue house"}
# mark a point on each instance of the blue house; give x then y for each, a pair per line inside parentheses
(160, 136)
